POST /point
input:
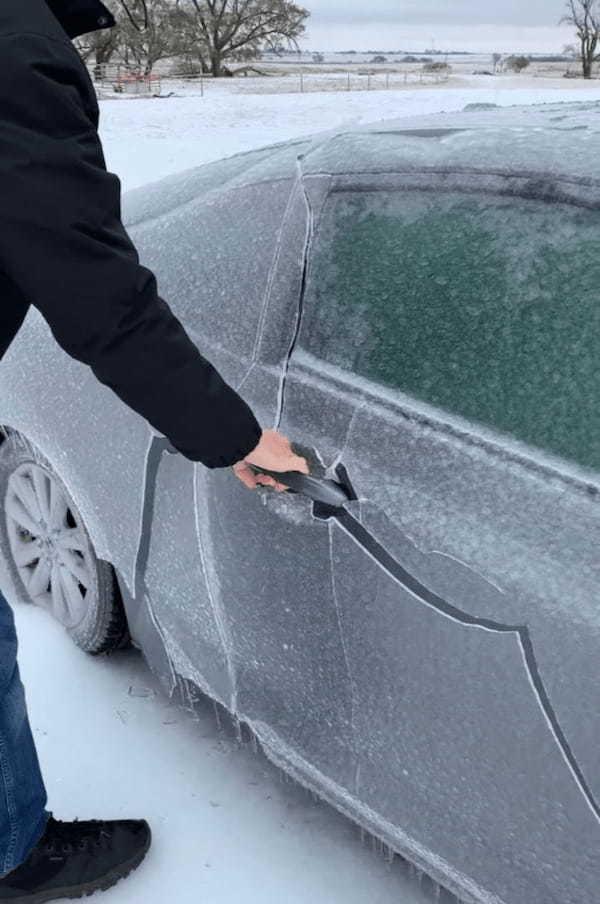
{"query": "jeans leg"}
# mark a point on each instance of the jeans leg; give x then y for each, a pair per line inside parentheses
(23, 798)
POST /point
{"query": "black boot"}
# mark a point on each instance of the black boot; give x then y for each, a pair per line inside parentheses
(73, 859)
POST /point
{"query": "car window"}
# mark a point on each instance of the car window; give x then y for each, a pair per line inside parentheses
(213, 259)
(486, 306)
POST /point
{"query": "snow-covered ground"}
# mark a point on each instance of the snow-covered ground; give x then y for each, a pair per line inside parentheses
(227, 828)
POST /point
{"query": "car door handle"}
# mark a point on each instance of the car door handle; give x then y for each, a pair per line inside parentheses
(319, 489)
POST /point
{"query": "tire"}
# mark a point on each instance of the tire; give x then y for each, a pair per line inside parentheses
(50, 554)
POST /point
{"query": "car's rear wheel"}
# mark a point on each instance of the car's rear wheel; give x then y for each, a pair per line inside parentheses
(50, 553)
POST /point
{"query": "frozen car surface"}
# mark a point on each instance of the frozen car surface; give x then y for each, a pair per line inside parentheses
(416, 305)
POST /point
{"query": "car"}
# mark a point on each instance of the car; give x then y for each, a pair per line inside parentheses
(413, 630)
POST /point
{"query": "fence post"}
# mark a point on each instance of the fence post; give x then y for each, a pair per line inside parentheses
(387, 80)
(302, 83)
(201, 84)
(368, 81)
(348, 81)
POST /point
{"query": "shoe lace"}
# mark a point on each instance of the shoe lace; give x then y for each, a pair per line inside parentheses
(66, 837)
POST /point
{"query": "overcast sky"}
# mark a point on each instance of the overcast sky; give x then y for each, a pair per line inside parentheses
(487, 25)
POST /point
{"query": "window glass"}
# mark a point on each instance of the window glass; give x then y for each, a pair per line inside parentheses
(486, 306)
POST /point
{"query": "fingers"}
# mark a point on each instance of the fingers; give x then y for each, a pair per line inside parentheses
(246, 476)
(300, 464)
(252, 480)
(268, 481)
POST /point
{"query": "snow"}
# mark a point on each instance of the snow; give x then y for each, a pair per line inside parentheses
(146, 139)
(226, 827)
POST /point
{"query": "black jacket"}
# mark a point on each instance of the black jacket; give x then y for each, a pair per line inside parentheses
(64, 249)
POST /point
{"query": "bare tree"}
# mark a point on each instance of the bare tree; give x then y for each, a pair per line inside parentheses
(585, 16)
(153, 40)
(225, 30)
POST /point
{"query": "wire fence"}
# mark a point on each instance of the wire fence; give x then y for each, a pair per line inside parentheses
(126, 80)
(351, 81)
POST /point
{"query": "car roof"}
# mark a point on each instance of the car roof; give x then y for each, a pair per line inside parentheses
(560, 140)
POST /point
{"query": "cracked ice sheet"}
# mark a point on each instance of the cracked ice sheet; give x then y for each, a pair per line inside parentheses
(417, 484)
(399, 480)
(526, 533)
(175, 579)
(207, 287)
(286, 651)
(451, 740)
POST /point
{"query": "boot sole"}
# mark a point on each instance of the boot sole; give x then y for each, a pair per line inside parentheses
(89, 888)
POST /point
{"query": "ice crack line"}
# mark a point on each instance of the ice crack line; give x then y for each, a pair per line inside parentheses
(346, 659)
(361, 536)
(158, 446)
(305, 259)
(218, 610)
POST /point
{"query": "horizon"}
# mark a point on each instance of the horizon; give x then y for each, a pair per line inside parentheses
(538, 41)
(504, 26)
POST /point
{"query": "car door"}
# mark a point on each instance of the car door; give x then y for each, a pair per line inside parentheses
(268, 555)
(447, 358)
(232, 576)
(213, 256)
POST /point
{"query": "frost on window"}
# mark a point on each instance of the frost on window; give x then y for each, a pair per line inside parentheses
(486, 306)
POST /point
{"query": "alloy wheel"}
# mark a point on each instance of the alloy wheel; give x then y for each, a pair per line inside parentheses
(50, 549)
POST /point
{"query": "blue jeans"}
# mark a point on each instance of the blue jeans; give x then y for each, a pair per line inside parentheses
(23, 799)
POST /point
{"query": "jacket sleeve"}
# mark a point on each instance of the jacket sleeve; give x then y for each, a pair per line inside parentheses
(63, 244)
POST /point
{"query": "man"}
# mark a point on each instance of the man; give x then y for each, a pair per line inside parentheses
(63, 249)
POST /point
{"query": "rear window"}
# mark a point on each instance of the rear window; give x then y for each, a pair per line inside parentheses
(485, 306)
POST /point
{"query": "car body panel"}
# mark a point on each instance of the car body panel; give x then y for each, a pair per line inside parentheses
(423, 657)
(96, 444)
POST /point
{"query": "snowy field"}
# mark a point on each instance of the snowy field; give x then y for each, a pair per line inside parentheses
(227, 828)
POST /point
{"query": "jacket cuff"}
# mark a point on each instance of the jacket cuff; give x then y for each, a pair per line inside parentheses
(245, 447)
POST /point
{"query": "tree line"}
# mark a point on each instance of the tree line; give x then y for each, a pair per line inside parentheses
(207, 34)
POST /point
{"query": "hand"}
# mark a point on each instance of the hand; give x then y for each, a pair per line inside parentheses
(273, 452)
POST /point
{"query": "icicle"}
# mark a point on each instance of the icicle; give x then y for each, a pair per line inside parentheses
(217, 716)
(238, 729)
